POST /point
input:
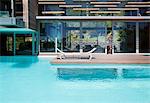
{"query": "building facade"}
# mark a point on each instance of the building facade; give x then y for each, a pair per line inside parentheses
(18, 34)
(112, 26)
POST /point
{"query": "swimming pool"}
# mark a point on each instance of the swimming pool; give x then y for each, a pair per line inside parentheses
(35, 80)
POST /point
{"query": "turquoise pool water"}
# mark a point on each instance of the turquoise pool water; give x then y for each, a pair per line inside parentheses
(35, 80)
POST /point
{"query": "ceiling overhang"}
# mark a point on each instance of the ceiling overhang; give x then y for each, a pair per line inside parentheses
(128, 18)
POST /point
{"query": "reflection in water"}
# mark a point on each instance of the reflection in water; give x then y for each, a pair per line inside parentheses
(19, 61)
(102, 73)
(136, 73)
(86, 73)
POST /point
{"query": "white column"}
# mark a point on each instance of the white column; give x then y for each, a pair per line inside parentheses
(12, 8)
(137, 37)
(26, 12)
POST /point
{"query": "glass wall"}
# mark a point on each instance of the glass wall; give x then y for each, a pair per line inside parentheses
(18, 44)
(49, 31)
(93, 35)
(73, 36)
(144, 37)
(23, 44)
(116, 36)
(109, 37)
(124, 37)
(71, 41)
(6, 44)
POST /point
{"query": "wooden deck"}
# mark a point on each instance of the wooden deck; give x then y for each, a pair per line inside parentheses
(107, 59)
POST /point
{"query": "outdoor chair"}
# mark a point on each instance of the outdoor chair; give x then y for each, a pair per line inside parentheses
(64, 55)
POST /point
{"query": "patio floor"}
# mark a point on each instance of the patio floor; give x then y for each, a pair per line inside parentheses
(106, 59)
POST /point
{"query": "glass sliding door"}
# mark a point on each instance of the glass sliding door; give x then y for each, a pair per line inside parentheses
(59, 35)
(47, 38)
(23, 44)
(93, 38)
(93, 35)
(9, 44)
(72, 41)
(6, 44)
(124, 37)
(73, 36)
(144, 37)
(49, 32)
(101, 41)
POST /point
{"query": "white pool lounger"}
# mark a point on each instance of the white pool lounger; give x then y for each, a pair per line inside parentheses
(78, 55)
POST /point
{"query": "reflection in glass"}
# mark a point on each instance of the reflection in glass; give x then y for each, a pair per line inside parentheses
(124, 37)
(72, 24)
(49, 31)
(6, 44)
(93, 38)
(72, 36)
(72, 41)
(23, 44)
(144, 37)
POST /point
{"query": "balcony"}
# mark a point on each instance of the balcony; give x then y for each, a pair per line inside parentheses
(4, 14)
(12, 21)
(94, 7)
(7, 20)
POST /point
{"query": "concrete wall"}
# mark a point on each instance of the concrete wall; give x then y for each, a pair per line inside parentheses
(25, 13)
(33, 12)
(30, 11)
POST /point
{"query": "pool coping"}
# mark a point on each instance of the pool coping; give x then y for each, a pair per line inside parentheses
(106, 59)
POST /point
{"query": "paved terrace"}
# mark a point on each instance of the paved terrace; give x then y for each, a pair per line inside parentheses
(107, 59)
